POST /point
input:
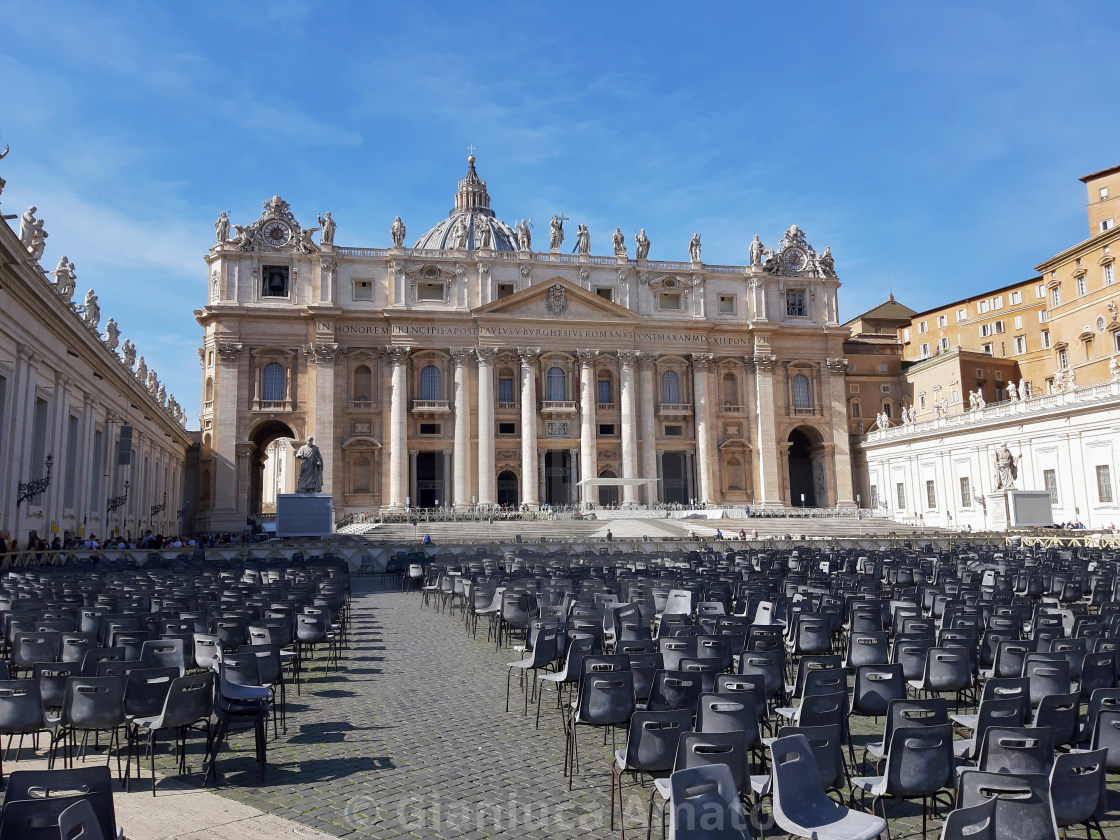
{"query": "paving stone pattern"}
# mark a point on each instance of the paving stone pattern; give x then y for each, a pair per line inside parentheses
(410, 739)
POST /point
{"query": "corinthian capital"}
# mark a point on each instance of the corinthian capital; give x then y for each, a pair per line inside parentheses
(703, 361)
(627, 358)
(765, 363)
(837, 367)
(461, 355)
(396, 355)
(228, 351)
(529, 355)
(587, 357)
(486, 355)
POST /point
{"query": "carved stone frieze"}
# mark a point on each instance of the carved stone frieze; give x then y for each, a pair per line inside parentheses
(837, 367)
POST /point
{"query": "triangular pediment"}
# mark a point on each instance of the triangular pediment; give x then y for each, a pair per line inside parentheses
(559, 301)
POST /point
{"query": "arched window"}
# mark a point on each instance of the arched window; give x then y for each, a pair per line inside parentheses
(800, 391)
(363, 383)
(431, 383)
(670, 387)
(556, 385)
(272, 382)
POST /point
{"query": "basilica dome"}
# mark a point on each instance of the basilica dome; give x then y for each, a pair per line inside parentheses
(471, 223)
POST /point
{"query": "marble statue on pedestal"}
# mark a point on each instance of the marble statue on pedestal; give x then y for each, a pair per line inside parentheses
(141, 370)
(583, 240)
(826, 264)
(64, 279)
(397, 231)
(128, 354)
(524, 236)
(328, 226)
(757, 249)
(483, 236)
(38, 240)
(1012, 391)
(1006, 469)
(221, 228)
(27, 226)
(91, 312)
(642, 250)
(694, 248)
(619, 242)
(556, 232)
(1114, 368)
(1024, 389)
(112, 334)
(310, 468)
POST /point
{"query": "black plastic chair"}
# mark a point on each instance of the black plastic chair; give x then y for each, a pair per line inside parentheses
(92, 704)
(1020, 750)
(705, 805)
(34, 801)
(21, 713)
(240, 695)
(651, 745)
(605, 699)
(675, 690)
(188, 705)
(1023, 810)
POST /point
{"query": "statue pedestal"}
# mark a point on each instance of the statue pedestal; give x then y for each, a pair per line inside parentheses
(1019, 509)
(304, 515)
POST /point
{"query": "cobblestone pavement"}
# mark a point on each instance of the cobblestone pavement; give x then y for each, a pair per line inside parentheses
(410, 739)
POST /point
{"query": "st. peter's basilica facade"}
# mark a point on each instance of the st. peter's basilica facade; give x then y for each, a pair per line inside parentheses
(472, 369)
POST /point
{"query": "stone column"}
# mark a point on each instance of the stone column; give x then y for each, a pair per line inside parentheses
(842, 460)
(626, 360)
(647, 406)
(323, 356)
(689, 484)
(462, 494)
(701, 364)
(231, 369)
(413, 495)
(588, 400)
(542, 475)
(769, 485)
(573, 481)
(487, 475)
(659, 488)
(398, 426)
(529, 473)
(443, 500)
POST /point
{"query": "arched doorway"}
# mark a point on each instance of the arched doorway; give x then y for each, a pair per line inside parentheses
(608, 494)
(802, 487)
(674, 481)
(262, 438)
(507, 488)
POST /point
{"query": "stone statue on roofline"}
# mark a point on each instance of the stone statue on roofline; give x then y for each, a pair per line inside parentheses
(27, 226)
(757, 249)
(556, 232)
(64, 279)
(524, 236)
(91, 311)
(397, 231)
(583, 240)
(641, 252)
(112, 334)
(694, 248)
(328, 226)
(141, 370)
(221, 228)
(38, 240)
(128, 354)
(619, 242)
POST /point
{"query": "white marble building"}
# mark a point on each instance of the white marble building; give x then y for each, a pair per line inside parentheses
(479, 367)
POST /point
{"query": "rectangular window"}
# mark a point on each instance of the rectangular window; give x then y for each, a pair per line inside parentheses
(997, 327)
(962, 314)
(669, 301)
(985, 330)
(874, 496)
(505, 390)
(1018, 322)
(1045, 336)
(1043, 316)
(430, 428)
(70, 490)
(507, 428)
(274, 281)
(906, 336)
(966, 492)
(1104, 193)
(997, 302)
(605, 292)
(606, 429)
(727, 304)
(1050, 482)
(884, 389)
(1106, 224)
(1109, 275)
(430, 292)
(1056, 296)
(1104, 484)
(900, 495)
(1020, 344)
(1016, 297)
(923, 350)
(979, 373)
(95, 480)
(1063, 359)
(604, 391)
(942, 320)
(855, 408)
(923, 327)
(986, 348)
(505, 290)
(999, 376)
(1040, 291)
(921, 402)
(882, 368)
(943, 344)
(1082, 285)
(931, 495)
(983, 306)
(795, 303)
(39, 442)
(363, 290)
(673, 431)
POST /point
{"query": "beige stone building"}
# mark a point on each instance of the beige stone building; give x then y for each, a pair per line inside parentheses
(479, 367)
(78, 407)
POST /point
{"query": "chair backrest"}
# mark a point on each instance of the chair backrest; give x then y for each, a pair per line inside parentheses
(21, 707)
(751, 684)
(977, 822)
(1106, 735)
(145, 690)
(700, 749)
(875, 687)
(206, 650)
(93, 702)
(651, 745)
(824, 681)
(920, 760)
(1009, 658)
(947, 669)
(164, 653)
(1019, 749)
(705, 804)
(1077, 786)
(675, 690)
(1059, 712)
(1046, 677)
(827, 745)
(676, 648)
(605, 698)
(728, 713)
(813, 662)
(190, 699)
(52, 677)
(930, 712)
(1023, 810)
(800, 800)
(79, 822)
(867, 648)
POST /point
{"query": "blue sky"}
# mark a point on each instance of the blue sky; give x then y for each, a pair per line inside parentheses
(934, 146)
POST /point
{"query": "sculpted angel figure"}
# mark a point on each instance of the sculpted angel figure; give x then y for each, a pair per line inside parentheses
(112, 334)
(304, 244)
(397, 232)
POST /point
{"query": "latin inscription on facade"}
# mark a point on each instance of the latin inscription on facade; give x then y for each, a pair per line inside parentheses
(535, 332)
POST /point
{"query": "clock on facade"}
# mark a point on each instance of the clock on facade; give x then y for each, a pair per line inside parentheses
(795, 259)
(277, 233)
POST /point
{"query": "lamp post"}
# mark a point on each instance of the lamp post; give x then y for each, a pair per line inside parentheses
(31, 489)
(157, 509)
(116, 502)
